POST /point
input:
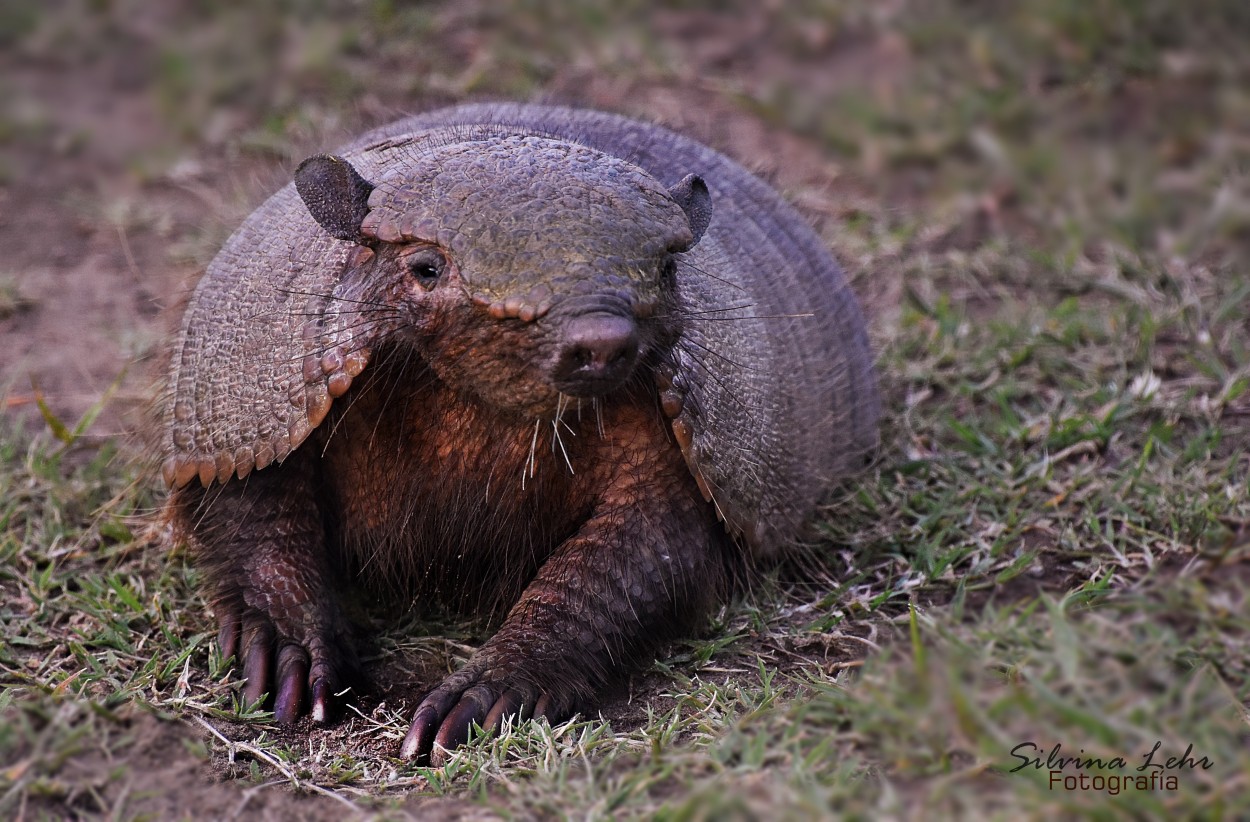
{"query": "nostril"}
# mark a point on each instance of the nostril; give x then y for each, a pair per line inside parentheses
(601, 339)
(597, 347)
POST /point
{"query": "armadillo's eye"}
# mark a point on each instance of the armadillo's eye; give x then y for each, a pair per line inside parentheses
(425, 265)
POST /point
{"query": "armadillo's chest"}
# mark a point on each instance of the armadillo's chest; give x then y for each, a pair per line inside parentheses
(436, 495)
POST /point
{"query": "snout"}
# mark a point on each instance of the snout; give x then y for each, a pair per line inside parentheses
(597, 353)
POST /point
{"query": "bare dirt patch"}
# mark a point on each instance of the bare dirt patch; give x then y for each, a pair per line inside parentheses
(144, 767)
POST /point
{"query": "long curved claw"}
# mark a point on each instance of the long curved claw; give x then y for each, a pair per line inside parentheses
(258, 636)
(292, 678)
(442, 721)
(553, 709)
(425, 722)
(323, 702)
(228, 634)
(298, 677)
(512, 703)
(454, 731)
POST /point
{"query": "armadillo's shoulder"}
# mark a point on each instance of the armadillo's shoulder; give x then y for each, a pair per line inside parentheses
(252, 371)
(269, 338)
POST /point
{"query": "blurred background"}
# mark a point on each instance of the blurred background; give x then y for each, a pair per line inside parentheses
(974, 151)
(1044, 206)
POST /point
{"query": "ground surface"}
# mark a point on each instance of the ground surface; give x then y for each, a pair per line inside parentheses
(1046, 211)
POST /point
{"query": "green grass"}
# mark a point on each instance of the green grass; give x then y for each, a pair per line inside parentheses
(1047, 210)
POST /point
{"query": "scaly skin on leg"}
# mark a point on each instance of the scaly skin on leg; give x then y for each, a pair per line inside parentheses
(261, 543)
(647, 565)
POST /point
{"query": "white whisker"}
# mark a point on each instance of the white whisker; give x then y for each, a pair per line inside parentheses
(558, 440)
(533, 460)
(561, 404)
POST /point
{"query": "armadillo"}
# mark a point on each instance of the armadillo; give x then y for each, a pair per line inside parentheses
(553, 365)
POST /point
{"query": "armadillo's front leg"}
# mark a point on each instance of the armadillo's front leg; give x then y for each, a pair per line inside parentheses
(639, 572)
(261, 544)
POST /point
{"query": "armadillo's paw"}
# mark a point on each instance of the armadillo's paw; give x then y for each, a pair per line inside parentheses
(298, 677)
(475, 695)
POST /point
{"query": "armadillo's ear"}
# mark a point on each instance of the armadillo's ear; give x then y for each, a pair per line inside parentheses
(335, 194)
(693, 197)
